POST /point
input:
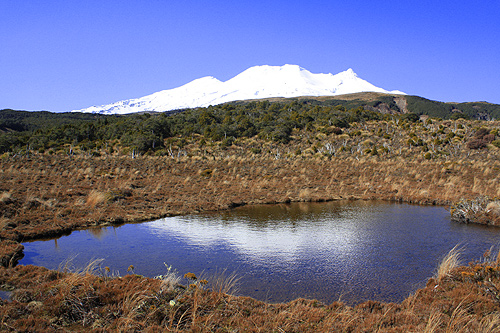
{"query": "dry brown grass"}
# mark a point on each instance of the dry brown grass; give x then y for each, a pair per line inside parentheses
(5, 196)
(490, 323)
(84, 301)
(433, 322)
(460, 318)
(96, 198)
(448, 263)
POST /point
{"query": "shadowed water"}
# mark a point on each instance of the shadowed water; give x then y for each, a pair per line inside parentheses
(348, 250)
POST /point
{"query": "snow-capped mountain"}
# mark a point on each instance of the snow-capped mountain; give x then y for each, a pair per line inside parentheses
(254, 83)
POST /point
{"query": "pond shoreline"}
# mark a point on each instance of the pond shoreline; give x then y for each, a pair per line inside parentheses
(321, 249)
(47, 196)
(53, 195)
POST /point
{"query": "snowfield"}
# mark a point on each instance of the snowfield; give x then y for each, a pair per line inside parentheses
(254, 83)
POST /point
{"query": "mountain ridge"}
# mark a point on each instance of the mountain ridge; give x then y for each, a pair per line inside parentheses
(254, 83)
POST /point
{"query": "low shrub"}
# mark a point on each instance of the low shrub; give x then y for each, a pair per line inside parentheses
(207, 173)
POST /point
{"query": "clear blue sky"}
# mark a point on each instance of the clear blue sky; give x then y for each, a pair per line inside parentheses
(64, 55)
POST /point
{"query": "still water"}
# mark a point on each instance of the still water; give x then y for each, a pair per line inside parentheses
(348, 250)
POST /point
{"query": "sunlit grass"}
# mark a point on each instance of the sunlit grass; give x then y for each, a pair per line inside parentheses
(448, 263)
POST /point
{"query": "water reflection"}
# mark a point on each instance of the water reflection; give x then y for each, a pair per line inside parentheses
(354, 250)
(282, 233)
(98, 233)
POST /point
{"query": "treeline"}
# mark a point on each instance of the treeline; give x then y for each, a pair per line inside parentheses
(11, 120)
(274, 121)
(473, 110)
(414, 104)
(22, 131)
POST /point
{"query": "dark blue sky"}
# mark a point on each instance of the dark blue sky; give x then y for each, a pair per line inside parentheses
(64, 55)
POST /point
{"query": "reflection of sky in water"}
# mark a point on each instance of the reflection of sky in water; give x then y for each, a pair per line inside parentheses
(363, 250)
(278, 241)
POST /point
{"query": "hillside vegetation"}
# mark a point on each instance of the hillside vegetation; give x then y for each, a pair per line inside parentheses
(63, 172)
(272, 121)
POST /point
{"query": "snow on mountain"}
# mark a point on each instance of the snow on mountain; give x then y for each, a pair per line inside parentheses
(254, 83)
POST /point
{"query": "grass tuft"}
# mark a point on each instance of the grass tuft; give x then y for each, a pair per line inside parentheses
(449, 262)
(96, 198)
(5, 197)
(433, 322)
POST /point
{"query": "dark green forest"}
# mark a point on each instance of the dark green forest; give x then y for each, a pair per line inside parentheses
(470, 110)
(269, 120)
(144, 132)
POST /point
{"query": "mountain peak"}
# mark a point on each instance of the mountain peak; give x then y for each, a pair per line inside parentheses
(256, 82)
(350, 71)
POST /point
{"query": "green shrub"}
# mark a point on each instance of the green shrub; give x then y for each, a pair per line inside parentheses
(255, 150)
(227, 142)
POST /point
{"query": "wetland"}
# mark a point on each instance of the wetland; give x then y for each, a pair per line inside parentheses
(349, 250)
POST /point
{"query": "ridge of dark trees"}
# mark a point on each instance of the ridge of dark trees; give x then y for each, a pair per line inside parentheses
(269, 120)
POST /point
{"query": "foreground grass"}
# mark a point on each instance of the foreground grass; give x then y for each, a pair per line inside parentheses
(458, 299)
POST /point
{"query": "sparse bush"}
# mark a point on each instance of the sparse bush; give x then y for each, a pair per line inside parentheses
(337, 130)
(207, 173)
(255, 151)
(227, 142)
(480, 133)
(355, 133)
(471, 211)
(489, 138)
(341, 123)
(412, 117)
(476, 143)
(496, 143)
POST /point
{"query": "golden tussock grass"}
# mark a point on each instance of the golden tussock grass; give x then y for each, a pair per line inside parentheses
(96, 198)
(448, 263)
(5, 196)
(433, 322)
(305, 194)
(489, 323)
